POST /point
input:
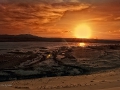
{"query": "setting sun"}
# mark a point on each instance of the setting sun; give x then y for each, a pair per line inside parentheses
(82, 31)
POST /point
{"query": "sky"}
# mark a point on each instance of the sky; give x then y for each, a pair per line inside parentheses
(59, 18)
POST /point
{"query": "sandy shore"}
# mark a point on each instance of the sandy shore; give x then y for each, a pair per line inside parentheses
(107, 80)
(98, 68)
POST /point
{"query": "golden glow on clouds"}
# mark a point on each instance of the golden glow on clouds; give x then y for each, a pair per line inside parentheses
(17, 18)
(56, 18)
(82, 31)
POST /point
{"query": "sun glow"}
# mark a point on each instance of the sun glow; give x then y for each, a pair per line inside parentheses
(82, 44)
(82, 31)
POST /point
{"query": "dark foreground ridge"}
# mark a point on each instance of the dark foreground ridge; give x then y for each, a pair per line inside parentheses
(32, 38)
(62, 61)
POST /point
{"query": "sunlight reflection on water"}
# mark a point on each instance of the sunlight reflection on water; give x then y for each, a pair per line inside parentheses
(82, 44)
(25, 46)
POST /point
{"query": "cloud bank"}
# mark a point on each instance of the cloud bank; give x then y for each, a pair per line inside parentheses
(27, 15)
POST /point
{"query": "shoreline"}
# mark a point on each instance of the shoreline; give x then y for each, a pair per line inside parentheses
(107, 80)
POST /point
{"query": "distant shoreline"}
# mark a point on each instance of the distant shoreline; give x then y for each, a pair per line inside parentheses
(31, 38)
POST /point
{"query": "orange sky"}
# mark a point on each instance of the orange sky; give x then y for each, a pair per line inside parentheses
(59, 18)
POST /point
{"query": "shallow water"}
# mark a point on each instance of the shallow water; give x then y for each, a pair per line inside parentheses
(41, 56)
(8, 46)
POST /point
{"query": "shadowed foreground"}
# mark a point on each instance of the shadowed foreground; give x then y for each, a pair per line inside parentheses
(62, 61)
(84, 68)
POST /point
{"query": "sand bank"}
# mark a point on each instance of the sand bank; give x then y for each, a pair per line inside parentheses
(107, 80)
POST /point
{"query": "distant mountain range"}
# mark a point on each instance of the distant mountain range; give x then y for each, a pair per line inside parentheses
(32, 38)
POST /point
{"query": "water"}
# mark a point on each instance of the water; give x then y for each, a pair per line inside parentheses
(24, 45)
(8, 46)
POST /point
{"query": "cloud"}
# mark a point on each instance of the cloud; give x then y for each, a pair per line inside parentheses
(34, 15)
(38, 1)
(97, 19)
(117, 19)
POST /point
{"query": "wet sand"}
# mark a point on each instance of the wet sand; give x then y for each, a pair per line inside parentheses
(108, 80)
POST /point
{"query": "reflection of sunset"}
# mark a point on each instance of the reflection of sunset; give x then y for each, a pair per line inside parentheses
(82, 31)
(82, 44)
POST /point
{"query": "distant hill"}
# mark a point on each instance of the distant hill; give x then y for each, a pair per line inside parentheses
(21, 37)
(32, 38)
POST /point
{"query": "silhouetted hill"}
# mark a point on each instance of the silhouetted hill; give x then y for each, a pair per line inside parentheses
(21, 37)
(32, 38)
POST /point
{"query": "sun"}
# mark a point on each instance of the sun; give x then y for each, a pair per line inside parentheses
(82, 31)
